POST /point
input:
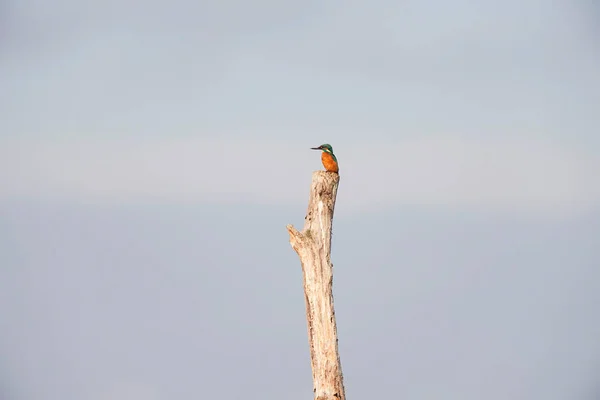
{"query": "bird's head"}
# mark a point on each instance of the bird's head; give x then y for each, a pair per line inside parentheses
(324, 147)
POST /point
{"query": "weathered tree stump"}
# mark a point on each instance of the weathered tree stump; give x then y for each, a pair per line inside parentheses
(313, 246)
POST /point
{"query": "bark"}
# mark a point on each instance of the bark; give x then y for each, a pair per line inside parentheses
(313, 246)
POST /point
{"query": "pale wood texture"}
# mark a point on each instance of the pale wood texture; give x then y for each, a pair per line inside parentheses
(313, 246)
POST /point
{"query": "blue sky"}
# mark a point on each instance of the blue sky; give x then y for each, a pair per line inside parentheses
(482, 101)
(467, 140)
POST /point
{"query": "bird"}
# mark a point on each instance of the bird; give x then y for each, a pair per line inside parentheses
(328, 158)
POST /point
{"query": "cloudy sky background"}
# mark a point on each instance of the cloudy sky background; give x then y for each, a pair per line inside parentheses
(151, 156)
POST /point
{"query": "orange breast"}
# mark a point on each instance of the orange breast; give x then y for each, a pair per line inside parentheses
(329, 162)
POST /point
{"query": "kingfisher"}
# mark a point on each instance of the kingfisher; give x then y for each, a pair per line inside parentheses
(328, 158)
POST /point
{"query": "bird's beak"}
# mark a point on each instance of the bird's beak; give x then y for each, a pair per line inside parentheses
(315, 148)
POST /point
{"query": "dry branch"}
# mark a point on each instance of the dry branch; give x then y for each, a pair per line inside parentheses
(313, 246)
